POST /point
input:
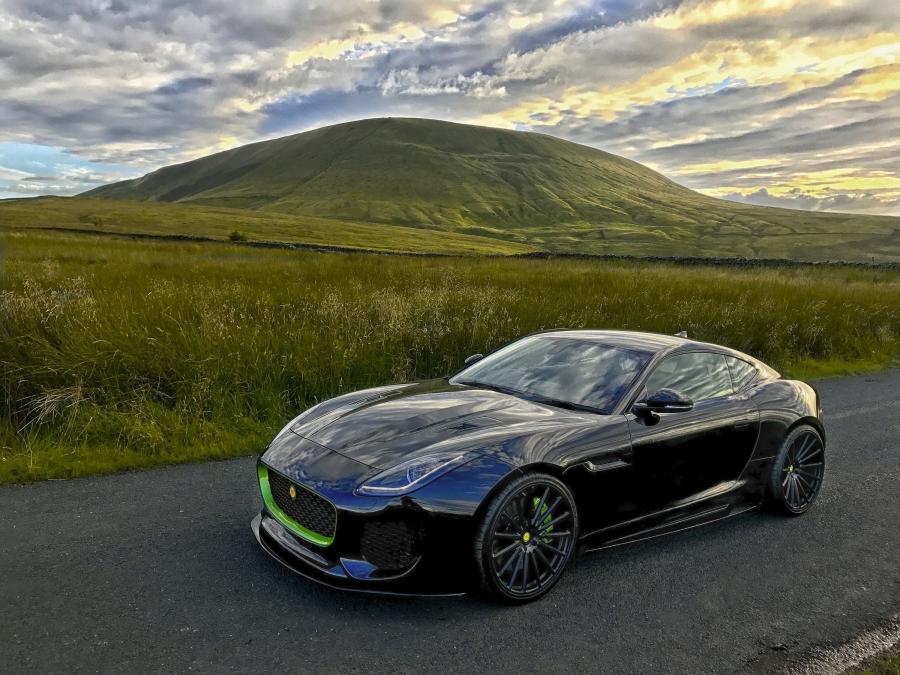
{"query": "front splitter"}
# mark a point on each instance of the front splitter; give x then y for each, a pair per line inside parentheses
(298, 567)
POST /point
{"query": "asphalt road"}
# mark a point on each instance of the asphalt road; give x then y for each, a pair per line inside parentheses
(158, 571)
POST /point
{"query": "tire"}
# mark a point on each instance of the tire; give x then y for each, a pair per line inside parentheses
(797, 472)
(526, 538)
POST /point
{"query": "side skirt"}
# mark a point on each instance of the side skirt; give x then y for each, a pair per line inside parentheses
(687, 523)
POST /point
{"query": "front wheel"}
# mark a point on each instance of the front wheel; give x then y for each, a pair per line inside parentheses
(526, 538)
(797, 472)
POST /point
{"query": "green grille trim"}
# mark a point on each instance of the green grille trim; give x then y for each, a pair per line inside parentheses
(281, 516)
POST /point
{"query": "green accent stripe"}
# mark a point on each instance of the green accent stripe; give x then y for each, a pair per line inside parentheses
(263, 472)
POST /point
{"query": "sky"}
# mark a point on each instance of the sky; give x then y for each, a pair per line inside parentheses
(773, 102)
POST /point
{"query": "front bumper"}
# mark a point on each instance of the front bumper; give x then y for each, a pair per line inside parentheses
(421, 543)
(383, 544)
(398, 545)
(345, 573)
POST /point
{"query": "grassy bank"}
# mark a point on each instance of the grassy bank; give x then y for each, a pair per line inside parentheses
(120, 354)
(125, 217)
(887, 663)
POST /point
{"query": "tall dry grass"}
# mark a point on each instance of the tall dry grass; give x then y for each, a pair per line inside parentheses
(117, 354)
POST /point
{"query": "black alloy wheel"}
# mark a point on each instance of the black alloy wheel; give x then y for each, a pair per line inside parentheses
(527, 538)
(798, 471)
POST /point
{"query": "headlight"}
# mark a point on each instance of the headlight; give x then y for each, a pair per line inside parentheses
(412, 474)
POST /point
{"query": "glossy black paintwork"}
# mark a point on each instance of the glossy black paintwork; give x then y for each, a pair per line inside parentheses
(424, 418)
(632, 475)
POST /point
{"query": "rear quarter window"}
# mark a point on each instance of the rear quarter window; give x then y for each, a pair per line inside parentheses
(743, 374)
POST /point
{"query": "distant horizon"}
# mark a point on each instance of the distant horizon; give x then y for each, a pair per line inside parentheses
(788, 103)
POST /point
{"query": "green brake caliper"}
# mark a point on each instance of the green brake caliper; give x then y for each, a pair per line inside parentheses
(546, 520)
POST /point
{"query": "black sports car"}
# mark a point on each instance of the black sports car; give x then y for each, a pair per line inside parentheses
(560, 441)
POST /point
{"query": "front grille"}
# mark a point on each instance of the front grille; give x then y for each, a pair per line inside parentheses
(389, 545)
(311, 511)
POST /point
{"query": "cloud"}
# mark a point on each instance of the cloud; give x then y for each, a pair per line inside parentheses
(27, 170)
(184, 85)
(752, 98)
(410, 82)
(836, 201)
(8, 174)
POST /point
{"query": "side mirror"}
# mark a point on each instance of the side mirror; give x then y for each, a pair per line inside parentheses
(473, 359)
(663, 401)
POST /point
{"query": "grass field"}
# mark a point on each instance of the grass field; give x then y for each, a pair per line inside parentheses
(120, 354)
(107, 215)
(887, 663)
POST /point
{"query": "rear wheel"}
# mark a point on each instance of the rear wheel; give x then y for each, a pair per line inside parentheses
(526, 538)
(797, 472)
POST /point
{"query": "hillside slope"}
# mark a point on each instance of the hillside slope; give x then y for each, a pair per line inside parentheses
(108, 216)
(523, 187)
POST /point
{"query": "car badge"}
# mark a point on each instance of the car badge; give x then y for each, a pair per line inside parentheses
(293, 492)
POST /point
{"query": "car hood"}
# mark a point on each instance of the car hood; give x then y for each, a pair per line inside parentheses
(390, 426)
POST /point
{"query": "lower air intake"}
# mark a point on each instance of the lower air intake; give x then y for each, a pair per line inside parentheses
(389, 545)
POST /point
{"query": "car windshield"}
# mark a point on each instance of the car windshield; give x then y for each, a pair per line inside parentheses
(565, 371)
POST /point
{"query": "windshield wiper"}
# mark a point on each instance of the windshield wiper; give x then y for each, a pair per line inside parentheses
(492, 387)
(568, 405)
(546, 400)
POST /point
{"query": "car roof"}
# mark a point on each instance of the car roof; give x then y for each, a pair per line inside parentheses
(650, 343)
(656, 343)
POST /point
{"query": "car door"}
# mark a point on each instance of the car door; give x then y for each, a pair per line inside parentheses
(688, 454)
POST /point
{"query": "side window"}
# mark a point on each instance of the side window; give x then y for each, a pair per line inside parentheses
(742, 373)
(700, 375)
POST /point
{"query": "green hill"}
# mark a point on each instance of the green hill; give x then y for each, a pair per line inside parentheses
(521, 187)
(213, 222)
